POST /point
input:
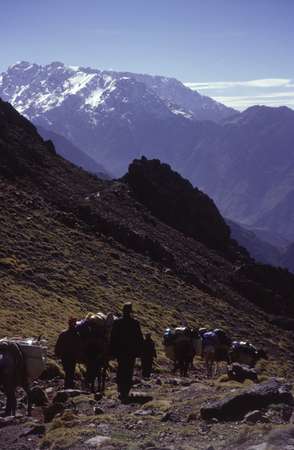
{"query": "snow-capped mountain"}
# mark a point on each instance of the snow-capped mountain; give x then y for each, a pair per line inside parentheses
(35, 90)
(112, 116)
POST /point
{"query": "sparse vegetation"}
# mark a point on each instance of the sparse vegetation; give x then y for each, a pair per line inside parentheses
(64, 252)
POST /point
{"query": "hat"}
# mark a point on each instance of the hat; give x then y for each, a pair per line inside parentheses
(72, 321)
(128, 307)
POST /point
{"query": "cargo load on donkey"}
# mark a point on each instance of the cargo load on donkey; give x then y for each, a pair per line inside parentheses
(181, 345)
(94, 333)
(21, 361)
(34, 353)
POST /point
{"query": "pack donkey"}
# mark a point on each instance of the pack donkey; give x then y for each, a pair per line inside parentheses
(13, 375)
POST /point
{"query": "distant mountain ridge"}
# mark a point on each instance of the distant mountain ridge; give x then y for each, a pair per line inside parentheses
(73, 154)
(243, 161)
(248, 169)
(259, 249)
(112, 116)
(47, 87)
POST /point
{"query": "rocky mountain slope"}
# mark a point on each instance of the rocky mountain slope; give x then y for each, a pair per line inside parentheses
(71, 243)
(57, 217)
(243, 161)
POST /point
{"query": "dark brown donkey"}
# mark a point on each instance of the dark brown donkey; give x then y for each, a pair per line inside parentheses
(13, 375)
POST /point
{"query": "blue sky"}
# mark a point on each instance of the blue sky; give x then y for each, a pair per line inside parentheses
(238, 51)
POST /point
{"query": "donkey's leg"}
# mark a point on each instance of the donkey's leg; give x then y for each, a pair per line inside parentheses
(182, 368)
(186, 367)
(94, 373)
(216, 368)
(207, 365)
(10, 408)
(27, 389)
(103, 375)
(210, 364)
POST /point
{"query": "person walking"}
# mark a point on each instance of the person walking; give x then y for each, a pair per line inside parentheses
(126, 343)
(148, 354)
(66, 349)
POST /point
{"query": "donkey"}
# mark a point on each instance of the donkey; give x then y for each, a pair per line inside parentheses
(246, 353)
(95, 351)
(215, 349)
(13, 375)
(186, 347)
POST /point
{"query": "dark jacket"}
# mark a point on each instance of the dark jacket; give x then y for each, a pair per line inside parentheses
(126, 338)
(149, 351)
(68, 344)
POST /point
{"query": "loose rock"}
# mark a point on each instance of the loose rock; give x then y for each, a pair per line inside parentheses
(97, 441)
(36, 430)
(4, 421)
(280, 439)
(253, 416)
(257, 397)
(169, 417)
(64, 395)
(98, 410)
(239, 373)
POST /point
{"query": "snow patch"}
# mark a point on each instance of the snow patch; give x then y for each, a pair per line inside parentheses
(78, 82)
(94, 99)
(12, 66)
(28, 67)
(180, 112)
(18, 93)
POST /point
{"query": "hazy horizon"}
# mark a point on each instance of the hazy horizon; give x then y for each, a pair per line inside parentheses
(237, 53)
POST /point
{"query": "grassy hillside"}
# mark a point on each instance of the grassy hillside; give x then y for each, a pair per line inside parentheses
(71, 243)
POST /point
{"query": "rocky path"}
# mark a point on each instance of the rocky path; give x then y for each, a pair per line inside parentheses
(163, 413)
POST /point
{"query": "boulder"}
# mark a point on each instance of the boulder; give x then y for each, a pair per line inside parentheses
(65, 394)
(282, 438)
(97, 441)
(37, 430)
(253, 416)
(170, 416)
(98, 410)
(240, 373)
(237, 405)
(262, 446)
(5, 421)
(279, 439)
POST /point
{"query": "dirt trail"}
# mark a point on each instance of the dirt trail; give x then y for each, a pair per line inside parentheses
(163, 413)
